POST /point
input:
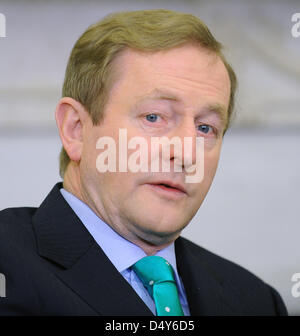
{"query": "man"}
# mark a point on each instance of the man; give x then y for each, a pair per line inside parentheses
(91, 247)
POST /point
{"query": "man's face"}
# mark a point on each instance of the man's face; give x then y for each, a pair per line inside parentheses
(174, 93)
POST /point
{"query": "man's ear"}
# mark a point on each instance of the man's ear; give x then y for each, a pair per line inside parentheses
(70, 116)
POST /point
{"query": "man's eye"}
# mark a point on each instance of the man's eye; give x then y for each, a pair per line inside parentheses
(204, 128)
(152, 117)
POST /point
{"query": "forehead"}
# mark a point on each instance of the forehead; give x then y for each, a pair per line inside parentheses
(187, 73)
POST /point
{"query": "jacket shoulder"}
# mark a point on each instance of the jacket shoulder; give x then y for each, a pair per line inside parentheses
(13, 215)
(236, 277)
(12, 219)
(16, 228)
(17, 247)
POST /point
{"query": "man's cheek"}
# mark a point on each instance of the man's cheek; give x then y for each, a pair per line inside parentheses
(211, 160)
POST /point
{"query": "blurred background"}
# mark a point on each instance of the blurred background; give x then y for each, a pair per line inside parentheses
(251, 214)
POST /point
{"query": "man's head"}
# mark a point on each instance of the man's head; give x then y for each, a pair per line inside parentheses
(153, 73)
(89, 73)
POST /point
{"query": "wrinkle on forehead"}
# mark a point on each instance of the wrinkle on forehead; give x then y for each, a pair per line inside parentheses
(192, 72)
(209, 85)
(128, 57)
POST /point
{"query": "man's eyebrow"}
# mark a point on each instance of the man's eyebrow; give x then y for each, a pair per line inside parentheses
(219, 110)
(159, 94)
(216, 108)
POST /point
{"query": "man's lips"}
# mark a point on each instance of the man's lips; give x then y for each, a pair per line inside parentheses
(168, 186)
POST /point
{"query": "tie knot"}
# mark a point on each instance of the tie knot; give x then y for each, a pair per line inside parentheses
(153, 270)
(157, 276)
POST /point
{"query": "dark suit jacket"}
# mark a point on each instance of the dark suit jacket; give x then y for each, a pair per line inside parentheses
(53, 266)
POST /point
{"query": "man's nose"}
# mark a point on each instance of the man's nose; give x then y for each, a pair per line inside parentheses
(187, 133)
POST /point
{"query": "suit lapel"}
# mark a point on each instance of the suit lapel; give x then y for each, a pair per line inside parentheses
(63, 239)
(97, 281)
(207, 293)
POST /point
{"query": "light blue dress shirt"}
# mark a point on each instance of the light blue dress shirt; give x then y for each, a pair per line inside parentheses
(121, 252)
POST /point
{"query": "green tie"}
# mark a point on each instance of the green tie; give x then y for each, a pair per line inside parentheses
(157, 276)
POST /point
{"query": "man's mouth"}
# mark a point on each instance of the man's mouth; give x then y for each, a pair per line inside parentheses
(168, 189)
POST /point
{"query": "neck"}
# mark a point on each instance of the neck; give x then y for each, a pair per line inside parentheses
(72, 182)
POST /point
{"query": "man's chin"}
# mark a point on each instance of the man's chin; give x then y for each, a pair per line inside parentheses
(160, 236)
